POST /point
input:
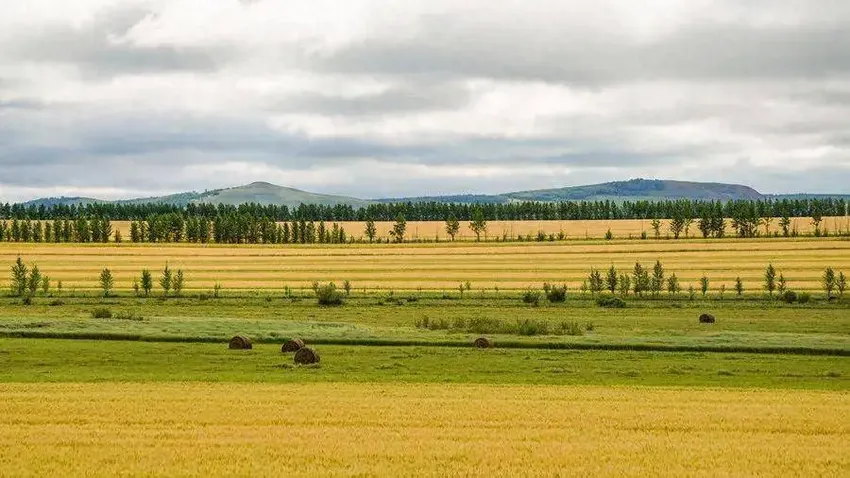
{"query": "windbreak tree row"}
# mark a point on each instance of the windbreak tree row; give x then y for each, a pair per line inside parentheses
(745, 212)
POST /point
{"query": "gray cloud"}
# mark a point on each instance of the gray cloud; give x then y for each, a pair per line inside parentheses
(413, 96)
(446, 103)
(20, 105)
(96, 50)
(454, 47)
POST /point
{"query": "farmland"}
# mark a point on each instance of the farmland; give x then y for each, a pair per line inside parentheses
(400, 429)
(436, 266)
(641, 390)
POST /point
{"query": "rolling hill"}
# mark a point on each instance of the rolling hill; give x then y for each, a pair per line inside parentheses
(257, 192)
(267, 193)
(641, 189)
(631, 190)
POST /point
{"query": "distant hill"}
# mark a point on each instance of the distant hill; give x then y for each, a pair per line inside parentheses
(641, 189)
(632, 190)
(257, 192)
(267, 193)
(68, 201)
(458, 198)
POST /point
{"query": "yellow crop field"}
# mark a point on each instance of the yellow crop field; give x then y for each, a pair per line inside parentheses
(620, 228)
(435, 266)
(248, 429)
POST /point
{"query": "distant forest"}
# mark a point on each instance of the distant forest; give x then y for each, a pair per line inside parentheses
(439, 211)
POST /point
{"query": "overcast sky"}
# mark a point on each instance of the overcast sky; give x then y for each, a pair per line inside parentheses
(125, 98)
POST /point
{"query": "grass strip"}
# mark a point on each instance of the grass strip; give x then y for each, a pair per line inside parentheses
(780, 350)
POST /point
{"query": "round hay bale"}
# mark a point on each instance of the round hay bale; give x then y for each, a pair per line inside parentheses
(240, 342)
(484, 343)
(306, 356)
(706, 319)
(292, 345)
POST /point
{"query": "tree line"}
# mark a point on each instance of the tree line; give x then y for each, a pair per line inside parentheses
(97, 229)
(683, 209)
(234, 229)
(643, 281)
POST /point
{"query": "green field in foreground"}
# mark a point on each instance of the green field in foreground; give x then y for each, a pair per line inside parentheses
(47, 360)
(748, 323)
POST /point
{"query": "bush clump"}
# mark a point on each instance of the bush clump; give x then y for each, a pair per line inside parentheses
(804, 298)
(329, 295)
(557, 294)
(128, 316)
(789, 296)
(611, 302)
(531, 296)
(101, 313)
(571, 328)
(435, 324)
(487, 326)
(532, 327)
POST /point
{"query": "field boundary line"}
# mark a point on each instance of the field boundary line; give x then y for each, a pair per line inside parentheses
(621, 347)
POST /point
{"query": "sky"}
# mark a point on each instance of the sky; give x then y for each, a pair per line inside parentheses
(381, 98)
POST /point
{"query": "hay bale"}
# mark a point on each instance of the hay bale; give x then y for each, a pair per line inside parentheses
(706, 319)
(292, 345)
(240, 342)
(484, 343)
(306, 356)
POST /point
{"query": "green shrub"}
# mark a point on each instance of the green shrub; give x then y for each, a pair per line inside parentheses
(557, 294)
(483, 325)
(426, 323)
(531, 327)
(804, 298)
(328, 295)
(56, 302)
(101, 313)
(789, 296)
(128, 316)
(531, 296)
(570, 328)
(611, 302)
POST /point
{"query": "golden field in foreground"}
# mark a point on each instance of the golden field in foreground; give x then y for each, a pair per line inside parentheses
(107, 429)
(439, 266)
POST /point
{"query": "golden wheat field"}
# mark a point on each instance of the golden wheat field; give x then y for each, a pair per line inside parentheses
(107, 429)
(435, 266)
(593, 229)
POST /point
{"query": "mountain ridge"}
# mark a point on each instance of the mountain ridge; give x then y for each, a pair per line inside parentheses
(266, 193)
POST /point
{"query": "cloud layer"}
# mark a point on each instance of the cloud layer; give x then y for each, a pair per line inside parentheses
(370, 98)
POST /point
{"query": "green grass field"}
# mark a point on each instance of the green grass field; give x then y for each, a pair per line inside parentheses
(662, 323)
(44, 360)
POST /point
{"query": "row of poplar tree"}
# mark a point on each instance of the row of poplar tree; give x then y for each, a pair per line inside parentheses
(465, 209)
(59, 230)
(234, 229)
